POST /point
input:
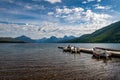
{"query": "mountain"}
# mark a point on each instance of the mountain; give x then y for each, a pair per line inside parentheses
(54, 39)
(108, 34)
(25, 39)
(41, 40)
(9, 40)
(66, 38)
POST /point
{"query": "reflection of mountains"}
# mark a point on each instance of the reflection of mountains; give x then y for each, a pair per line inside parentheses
(102, 59)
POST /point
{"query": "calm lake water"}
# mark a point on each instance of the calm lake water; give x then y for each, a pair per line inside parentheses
(47, 62)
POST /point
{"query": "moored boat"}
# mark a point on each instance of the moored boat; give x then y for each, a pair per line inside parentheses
(66, 49)
(75, 50)
(100, 53)
(70, 49)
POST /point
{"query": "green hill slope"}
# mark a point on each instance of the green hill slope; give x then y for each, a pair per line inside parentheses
(108, 34)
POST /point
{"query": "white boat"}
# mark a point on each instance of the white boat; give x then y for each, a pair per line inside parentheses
(75, 50)
(100, 53)
(71, 49)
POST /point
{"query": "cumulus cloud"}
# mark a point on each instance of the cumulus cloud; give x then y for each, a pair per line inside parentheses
(68, 10)
(87, 1)
(90, 0)
(99, 20)
(28, 7)
(99, 0)
(9, 1)
(53, 1)
(84, 2)
(77, 15)
(98, 6)
(50, 13)
(31, 6)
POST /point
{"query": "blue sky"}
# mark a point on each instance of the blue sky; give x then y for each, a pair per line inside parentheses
(45, 18)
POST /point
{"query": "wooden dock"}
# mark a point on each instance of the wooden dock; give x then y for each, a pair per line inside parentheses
(107, 49)
(113, 52)
(89, 51)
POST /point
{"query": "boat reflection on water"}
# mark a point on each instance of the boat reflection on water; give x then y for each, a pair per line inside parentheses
(81, 55)
(105, 60)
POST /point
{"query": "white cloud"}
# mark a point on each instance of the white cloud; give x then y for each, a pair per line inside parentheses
(28, 7)
(68, 10)
(84, 2)
(95, 17)
(33, 7)
(90, 0)
(79, 9)
(99, 0)
(77, 15)
(98, 6)
(53, 1)
(50, 13)
(9, 1)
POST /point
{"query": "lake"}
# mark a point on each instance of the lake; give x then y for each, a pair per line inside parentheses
(29, 61)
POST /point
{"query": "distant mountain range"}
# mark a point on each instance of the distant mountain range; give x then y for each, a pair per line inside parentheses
(108, 34)
(52, 39)
(9, 40)
(25, 39)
